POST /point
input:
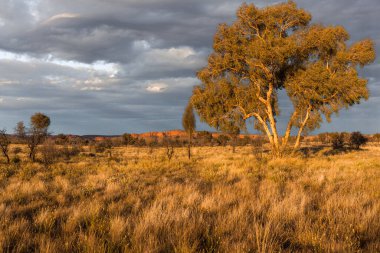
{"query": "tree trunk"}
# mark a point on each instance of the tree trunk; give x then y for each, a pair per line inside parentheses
(5, 153)
(233, 142)
(298, 140)
(288, 132)
(272, 122)
(32, 154)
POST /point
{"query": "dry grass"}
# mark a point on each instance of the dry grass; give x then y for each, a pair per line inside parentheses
(217, 202)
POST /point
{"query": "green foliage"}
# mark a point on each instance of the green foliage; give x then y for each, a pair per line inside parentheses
(274, 48)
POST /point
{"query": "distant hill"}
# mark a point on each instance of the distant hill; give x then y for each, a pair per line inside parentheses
(171, 133)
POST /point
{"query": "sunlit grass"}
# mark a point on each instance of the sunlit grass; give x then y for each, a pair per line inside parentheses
(138, 201)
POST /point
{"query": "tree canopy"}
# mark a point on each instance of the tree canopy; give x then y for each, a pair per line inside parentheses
(188, 120)
(277, 48)
(39, 122)
(189, 124)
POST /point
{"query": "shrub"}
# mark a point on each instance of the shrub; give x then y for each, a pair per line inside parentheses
(257, 146)
(140, 142)
(101, 146)
(222, 140)
(16, 160)
(68, 152)
(61, 139)
(167, 142)
(49, 153)
(4, 144)
(357, 139)
(244, 141)
(337, 140)
(204, 138)
(128, 139)
(17, 150)
(323, 138)
(376, 137)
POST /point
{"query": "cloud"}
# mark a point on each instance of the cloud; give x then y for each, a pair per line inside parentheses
(157, 87)
(61, 16)
(117, 66)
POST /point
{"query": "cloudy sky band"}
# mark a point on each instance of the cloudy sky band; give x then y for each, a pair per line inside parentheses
(108, 67)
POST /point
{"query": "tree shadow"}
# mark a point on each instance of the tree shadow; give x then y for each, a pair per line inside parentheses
(341, 151)
(324, 150)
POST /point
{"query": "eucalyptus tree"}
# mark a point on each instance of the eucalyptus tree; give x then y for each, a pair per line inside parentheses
(37, 132)
(278, 48)
(189, 125)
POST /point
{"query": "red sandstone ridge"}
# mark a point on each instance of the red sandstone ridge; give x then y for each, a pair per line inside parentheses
(181, 134)
(99, 138)
(171, 133)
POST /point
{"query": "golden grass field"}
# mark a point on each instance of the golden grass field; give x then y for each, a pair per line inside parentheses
(138, 201)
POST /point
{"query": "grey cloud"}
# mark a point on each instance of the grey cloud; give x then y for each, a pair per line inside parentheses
(149, 42)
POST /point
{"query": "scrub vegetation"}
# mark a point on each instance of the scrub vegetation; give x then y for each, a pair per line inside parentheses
(218, 201)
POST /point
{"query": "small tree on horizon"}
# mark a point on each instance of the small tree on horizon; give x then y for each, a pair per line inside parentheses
(128, 139)
(4, 144)
(376, 137)
(189, 125)
(357, 139)
(277, 48)
(222, 140)
(20, 130)
(337, 140)
(37, 133)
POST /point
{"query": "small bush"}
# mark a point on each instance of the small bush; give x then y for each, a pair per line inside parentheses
(337, 140)
(222, 140)
(16, 160)
(376, 138)
(17, 150)
(257, 147)
(323, 138)
(102, 146)
(68, 152)
(49, 152)
(357, 139)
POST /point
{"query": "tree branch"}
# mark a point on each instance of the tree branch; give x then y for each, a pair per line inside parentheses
(288, 130)
(303, 124)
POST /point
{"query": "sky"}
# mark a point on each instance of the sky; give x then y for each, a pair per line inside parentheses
(116, 66)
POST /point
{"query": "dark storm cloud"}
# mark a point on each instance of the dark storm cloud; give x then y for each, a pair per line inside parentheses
(112, 66)
(108, 30)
